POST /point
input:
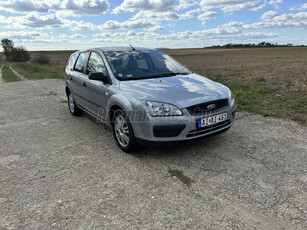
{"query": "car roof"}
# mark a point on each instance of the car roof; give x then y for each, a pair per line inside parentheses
(119, 48)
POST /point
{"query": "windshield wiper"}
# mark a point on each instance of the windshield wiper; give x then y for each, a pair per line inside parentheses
(170, 74)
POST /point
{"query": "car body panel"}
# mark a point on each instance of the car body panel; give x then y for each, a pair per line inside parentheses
(183, 91)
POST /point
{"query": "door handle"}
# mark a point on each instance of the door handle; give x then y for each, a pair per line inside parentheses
(84, 84)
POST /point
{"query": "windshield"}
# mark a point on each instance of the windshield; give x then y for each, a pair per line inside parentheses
(131, 65)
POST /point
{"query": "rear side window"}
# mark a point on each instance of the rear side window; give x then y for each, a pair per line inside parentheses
(95, 64)
(81, 62)
(71, 61)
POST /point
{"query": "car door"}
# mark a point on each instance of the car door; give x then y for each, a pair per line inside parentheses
(97, 92)
(78, 79)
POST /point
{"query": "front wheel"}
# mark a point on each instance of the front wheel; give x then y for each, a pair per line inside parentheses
(123, 132)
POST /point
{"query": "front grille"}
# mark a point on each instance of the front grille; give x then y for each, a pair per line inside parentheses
(208, 129)
(201, 109)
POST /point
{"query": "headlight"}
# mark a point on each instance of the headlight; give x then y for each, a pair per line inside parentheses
(231, 98)
(162, 109)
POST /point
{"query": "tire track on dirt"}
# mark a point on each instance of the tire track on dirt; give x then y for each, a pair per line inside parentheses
(35, 84)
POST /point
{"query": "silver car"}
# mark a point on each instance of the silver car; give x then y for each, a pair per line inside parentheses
(147, 97)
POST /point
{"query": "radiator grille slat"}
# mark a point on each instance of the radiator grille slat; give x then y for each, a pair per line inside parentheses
(201, 109)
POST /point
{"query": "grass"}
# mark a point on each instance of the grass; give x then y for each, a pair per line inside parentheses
(271, 82)
(180, 175)
(263, 100)
(34, 71)
(8, 75)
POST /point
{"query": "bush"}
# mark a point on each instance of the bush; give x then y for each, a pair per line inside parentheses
(42, 59)
(19, 54)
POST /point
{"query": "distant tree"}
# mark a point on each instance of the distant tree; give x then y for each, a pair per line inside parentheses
(8, 47)
(18, 54)
(262, 44)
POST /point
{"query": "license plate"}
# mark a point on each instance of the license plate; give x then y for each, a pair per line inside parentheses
(211, 120)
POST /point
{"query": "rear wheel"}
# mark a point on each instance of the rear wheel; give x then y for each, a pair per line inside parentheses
(123, 132)
(73, 108)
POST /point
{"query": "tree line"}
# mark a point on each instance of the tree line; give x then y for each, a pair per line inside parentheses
(20, 53)
(250, 45)
(12, 53)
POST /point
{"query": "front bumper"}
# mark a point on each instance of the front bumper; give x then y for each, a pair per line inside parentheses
(180, 128)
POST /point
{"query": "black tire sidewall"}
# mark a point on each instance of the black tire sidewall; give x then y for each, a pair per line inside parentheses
(77, 110)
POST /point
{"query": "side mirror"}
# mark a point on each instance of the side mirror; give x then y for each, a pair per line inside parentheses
(99, 76)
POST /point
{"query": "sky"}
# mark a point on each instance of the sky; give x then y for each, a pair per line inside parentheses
(81, 24)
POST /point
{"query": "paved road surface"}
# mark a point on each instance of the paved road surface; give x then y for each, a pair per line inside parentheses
(64, 172)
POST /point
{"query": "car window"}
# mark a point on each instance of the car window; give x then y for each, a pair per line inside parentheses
(81, 62)
(71, 61)
(134, 64)
(95, 64)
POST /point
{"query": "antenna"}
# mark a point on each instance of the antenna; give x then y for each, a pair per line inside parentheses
(127, 42)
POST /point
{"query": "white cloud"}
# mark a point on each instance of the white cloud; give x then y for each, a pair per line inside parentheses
(135, 24)
(155, 28)
(156, 16)
(102, 35)
(185, 4)
(189, 14)
(150, 5)
(72, 36)
(63, 8)
(258, 8)
(273, 2)
(26, 35)
(34, 21)
(209, 15)
(84, 7)
(269, 15)
(271, 20)
(45, 22)
(300, 7)
(230, 5)
(3, 19)
(224, 34)
(25, 6)
(77, 36)
(78, 25)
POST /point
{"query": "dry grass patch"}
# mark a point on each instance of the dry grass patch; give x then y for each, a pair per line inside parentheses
(269, 81)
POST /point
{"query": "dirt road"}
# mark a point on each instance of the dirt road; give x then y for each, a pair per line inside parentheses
(1, 79)
(63, 172)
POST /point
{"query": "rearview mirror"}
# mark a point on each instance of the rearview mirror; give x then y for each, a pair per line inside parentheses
(99, 76)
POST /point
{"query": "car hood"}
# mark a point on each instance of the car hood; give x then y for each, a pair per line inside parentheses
(181, 90)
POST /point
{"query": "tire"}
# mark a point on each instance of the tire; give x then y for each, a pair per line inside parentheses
(73, 108)
(123, 132)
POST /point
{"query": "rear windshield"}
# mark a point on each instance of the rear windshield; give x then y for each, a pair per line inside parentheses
(130, 65)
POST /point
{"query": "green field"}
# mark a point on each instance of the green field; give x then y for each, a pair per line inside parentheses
(267, 81)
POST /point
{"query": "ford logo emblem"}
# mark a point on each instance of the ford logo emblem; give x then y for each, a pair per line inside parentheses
(211, 107)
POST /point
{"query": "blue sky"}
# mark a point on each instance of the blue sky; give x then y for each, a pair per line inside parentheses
(79, 24)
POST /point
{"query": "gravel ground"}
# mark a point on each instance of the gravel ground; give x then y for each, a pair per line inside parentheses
(63, 172)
